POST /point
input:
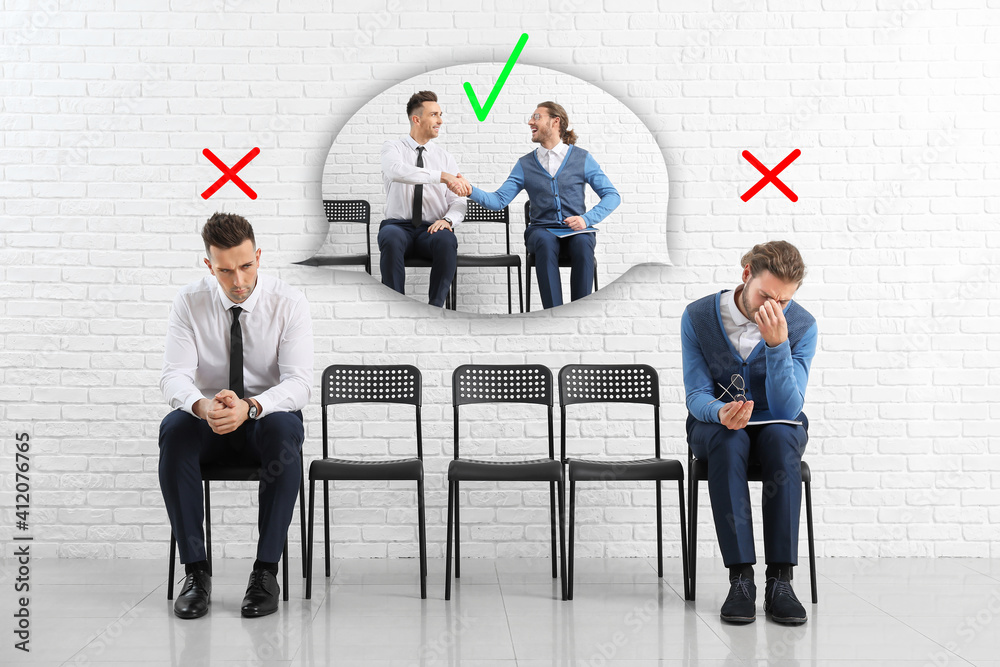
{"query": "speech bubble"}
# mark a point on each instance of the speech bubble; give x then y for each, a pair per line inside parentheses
(635, 233)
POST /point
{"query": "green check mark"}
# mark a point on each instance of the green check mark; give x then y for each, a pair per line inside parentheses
(483, 111)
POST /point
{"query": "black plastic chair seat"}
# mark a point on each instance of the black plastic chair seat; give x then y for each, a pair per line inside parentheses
(347, 469)
(418, 262)
(535, 470)
(700, 471)
(637, 470)
(336, 260)
(488, 260)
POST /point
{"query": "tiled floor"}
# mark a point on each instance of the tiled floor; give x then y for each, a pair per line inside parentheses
(918, 612)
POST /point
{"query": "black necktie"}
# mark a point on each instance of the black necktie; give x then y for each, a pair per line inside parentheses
(418, 193)
(236, 354)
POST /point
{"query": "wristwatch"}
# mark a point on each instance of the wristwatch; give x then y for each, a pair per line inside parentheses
(451, 224)
(252, 412)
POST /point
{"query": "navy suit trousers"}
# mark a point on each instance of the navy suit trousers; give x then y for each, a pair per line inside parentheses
(778, 449)
(272, 444)
(548, 248)
(399, 239)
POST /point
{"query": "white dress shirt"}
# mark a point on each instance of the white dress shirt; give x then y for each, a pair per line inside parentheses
(552, 158)
(400, 173)
(277, 345)
(743, 333)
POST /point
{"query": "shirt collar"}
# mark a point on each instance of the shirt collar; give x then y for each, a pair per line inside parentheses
(412, 143)
(247, 305)
(559, 150)
(729, 299)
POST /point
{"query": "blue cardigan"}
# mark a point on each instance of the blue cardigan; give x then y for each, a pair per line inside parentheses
(785, 367)
(553, 199)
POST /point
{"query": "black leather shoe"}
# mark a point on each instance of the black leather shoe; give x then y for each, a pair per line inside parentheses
(780, 602)
(741, 603)
(195, 595)
(262, 594)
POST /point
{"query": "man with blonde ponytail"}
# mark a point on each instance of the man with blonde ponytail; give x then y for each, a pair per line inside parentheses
(747, 354)
(554, 175)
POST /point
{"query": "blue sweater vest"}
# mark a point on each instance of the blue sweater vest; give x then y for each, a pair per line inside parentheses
(724, 361)
(555, 198)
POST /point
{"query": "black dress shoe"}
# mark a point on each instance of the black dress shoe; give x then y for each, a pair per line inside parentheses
(741, 603)
(781, 604)
(262, 594)
(195, 595)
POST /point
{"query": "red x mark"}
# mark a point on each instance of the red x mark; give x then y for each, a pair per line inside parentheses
(770, 176)
(230, 174)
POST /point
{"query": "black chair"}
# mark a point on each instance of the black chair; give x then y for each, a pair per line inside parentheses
(698, 471)
(582, 383)
(504, 384)
(367, 384)
(338, 211)
(477, 213)
(530, 259)
(245, 473)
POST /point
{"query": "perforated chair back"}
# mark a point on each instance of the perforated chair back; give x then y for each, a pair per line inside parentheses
(530, 383)
(587, 383)
(372, 384)
(474, 383)
(347, 210)
(621, 383)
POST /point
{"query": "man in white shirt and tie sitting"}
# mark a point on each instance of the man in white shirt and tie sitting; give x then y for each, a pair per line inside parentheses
(420, 212)
(237, 370)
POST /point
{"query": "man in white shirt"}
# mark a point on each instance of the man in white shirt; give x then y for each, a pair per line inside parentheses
(420, 212)
(237, 369)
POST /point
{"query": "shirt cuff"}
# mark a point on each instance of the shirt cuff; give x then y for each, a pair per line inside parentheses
(188, 404)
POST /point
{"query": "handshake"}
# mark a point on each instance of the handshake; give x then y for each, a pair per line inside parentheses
(458, 184)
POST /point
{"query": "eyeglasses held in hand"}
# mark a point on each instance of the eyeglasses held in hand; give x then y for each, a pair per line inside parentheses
(736, 383)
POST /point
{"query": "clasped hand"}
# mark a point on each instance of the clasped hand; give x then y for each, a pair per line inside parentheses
(226, 412)
(771, 322)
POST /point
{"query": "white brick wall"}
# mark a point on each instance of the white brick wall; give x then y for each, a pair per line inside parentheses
(105, 108)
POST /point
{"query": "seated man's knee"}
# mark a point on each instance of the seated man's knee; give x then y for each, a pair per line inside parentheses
(543, 244)
(443, 243)
(582, 245)
(392, 239)
(283, 427)
(178, 429)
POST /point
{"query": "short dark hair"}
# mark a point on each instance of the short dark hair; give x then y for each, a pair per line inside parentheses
(417, 102)
(780, 258)
(226, 230)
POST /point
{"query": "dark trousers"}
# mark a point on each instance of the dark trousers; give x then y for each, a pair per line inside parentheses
(398, 239)
(778, 449)
(272, 443)
(548, 248)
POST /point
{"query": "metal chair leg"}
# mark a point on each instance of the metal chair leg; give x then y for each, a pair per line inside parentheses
(684, 543)
(458, 530)
(284, 571)
(572, 542)
(812, 544)
(693, 540)
(422, 538)
(659, 531)
(552, 525)
(326, 523)
(447, 558)
(562, 536)
(170, 573)
(309, 550)
(520, 289)
(208, 527)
